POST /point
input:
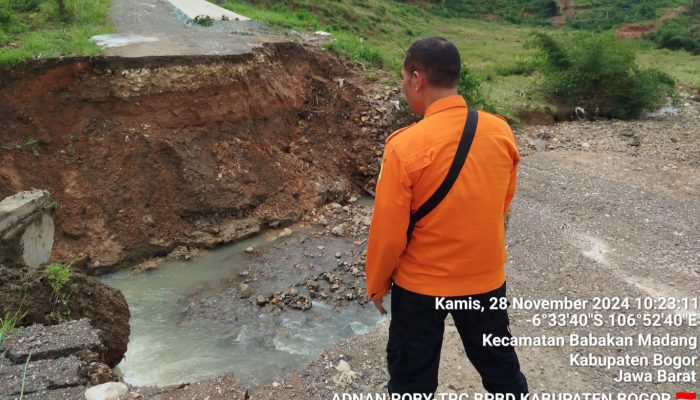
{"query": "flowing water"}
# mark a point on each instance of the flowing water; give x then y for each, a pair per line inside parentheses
(165, 348)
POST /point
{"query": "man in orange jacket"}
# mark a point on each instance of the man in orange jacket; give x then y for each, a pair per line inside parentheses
(457, 251)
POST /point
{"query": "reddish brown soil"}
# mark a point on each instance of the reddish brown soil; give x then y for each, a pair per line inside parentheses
(637, 31)
(566, 11)
(537, 117)
(146, 154)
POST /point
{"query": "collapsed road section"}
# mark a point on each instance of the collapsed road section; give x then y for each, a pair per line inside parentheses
(144, 155)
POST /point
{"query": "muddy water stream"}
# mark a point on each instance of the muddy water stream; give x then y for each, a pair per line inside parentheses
(168, 346)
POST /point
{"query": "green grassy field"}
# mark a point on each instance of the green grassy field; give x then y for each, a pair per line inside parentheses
(377, 33)
(31, 29)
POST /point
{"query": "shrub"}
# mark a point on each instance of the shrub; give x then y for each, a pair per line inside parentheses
(59, 276)
(23, 5)
(601, 75)
(680, 33)
(470, 87)
(7, 19)
(203, 20)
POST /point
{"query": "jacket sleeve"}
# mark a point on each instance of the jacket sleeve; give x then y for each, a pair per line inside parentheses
(513, 181)
(387, 232)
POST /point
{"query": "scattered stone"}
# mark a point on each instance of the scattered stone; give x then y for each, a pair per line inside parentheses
(100, 373)
(312, 285)
(261, 301)
(244, 291)
(107, 391)
(338, 230)
(250, 249)
(345, 375)
(338, 255)
(183, 253)
(285, 232)
(303, 303)
(222, 387)
(148, 220)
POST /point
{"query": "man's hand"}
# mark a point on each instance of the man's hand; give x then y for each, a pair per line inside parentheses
(380, 306)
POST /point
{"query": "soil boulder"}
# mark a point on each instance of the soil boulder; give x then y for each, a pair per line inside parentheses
(27, 290)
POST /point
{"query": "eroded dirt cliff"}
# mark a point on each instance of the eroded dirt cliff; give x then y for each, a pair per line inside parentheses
(143, 155)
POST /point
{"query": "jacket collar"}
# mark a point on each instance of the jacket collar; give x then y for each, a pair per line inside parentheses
(445, 103)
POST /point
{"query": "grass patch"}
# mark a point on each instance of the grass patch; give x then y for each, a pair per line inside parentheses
(683, 66)
(360, 50)
(8, 325)
(32, 29)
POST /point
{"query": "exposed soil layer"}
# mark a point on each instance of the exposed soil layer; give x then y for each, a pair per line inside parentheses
(28, 290)
(146, 154)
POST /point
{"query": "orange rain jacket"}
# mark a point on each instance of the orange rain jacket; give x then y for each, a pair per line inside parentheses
(459, 247)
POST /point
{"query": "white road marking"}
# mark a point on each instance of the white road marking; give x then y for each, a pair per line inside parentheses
(193, 8)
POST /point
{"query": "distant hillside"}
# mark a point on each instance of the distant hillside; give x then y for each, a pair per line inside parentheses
(579, 14)
(489, 34)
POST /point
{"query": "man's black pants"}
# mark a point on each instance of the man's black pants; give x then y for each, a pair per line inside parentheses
(415, 341)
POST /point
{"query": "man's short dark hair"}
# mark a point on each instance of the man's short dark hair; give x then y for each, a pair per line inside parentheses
(437, 58)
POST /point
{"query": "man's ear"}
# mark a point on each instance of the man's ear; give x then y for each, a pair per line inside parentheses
(418, 80)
